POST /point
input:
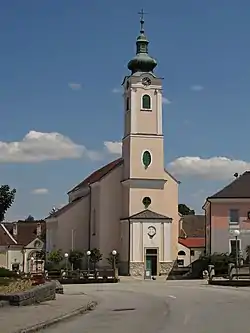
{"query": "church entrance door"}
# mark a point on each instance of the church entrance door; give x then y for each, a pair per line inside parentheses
(151, 260)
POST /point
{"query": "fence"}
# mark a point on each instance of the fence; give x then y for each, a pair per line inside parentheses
(83, 276)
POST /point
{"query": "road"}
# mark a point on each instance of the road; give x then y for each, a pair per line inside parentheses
(169, 306)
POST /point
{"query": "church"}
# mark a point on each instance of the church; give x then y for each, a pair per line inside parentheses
(131, 204)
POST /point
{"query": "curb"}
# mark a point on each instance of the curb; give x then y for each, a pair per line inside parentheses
(36, 328)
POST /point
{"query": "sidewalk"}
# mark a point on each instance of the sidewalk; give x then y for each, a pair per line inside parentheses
(18, 319)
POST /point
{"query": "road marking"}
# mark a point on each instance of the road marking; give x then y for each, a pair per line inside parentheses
(172, 296)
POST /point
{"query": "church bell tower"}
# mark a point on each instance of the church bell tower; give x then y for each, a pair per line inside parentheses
(142, 145)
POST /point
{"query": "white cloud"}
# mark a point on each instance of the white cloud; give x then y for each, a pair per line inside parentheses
(166, 100)
(197, 87)
(75, 86)
(117, 90)
(38, 147)
(40, 191)
(113, 147)
(216, 168)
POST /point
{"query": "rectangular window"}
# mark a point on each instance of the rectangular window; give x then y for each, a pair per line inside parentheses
(234, 216)
(191, 253)
(233, 245)
(180, 262)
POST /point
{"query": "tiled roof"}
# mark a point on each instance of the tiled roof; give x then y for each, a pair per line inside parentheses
(103, 171)
(26, 231)
(193, 225)
(192, 242)
(239, 188)
(98, 174)
(5, 239)
(149, 214)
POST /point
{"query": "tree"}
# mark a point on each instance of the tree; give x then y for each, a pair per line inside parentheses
(95, 256)
(75, 258)
(7, 197)
(55, 256)
(30, 218)
(185, 210)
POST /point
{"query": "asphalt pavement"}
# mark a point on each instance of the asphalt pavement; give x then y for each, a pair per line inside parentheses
(161, 306)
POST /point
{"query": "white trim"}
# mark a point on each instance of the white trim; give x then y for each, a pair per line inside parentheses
(150, 155)
(159, 112)
(133, 115)
(8, 233)
(234, 239)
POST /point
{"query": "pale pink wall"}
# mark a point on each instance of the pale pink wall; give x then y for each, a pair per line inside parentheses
(221, 230)
(95, 214)
(75, 218)
(110, 212)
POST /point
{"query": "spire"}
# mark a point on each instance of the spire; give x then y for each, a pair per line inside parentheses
(142, 62)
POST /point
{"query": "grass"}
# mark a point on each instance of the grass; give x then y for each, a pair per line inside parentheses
(10, 286)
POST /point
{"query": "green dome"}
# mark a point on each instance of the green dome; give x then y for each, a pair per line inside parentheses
(142, 62)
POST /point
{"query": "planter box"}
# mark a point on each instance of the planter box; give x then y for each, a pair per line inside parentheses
(38, 294)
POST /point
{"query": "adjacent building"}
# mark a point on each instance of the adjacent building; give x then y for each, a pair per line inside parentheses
(130, 204)
(226, 211)
(21, 245)
(191, 239)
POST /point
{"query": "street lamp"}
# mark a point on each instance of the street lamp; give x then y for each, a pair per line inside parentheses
(66, 256)
(114, 253)
(88, 255)
(236, 235)
(32, 262)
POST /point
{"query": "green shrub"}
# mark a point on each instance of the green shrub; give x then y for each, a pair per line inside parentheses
(4, 272)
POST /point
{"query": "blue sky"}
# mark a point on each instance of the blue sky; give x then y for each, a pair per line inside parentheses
(56, 54)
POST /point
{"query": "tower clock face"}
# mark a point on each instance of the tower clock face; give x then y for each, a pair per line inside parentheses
(146, 81)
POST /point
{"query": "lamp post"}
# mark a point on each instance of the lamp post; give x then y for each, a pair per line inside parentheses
(236, 235)
(114, 253)
(66, 256)
(32, 263)
(88, 256)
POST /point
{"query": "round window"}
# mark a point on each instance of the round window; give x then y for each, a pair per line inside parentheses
(146, 159)
(146, 202)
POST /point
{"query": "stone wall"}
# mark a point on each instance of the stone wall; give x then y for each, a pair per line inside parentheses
(38, 294)
(165, 268)
(136, 268)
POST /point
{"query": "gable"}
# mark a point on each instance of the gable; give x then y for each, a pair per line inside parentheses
(149, 214)
(35, 243)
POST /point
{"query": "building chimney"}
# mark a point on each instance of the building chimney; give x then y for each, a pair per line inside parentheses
(38, 229)
(14, 229)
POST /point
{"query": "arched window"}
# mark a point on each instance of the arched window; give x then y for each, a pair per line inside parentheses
(181, 253)
(146, 102)
(127, 104)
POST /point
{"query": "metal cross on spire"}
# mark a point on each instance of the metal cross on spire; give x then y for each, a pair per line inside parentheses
(142, 13)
